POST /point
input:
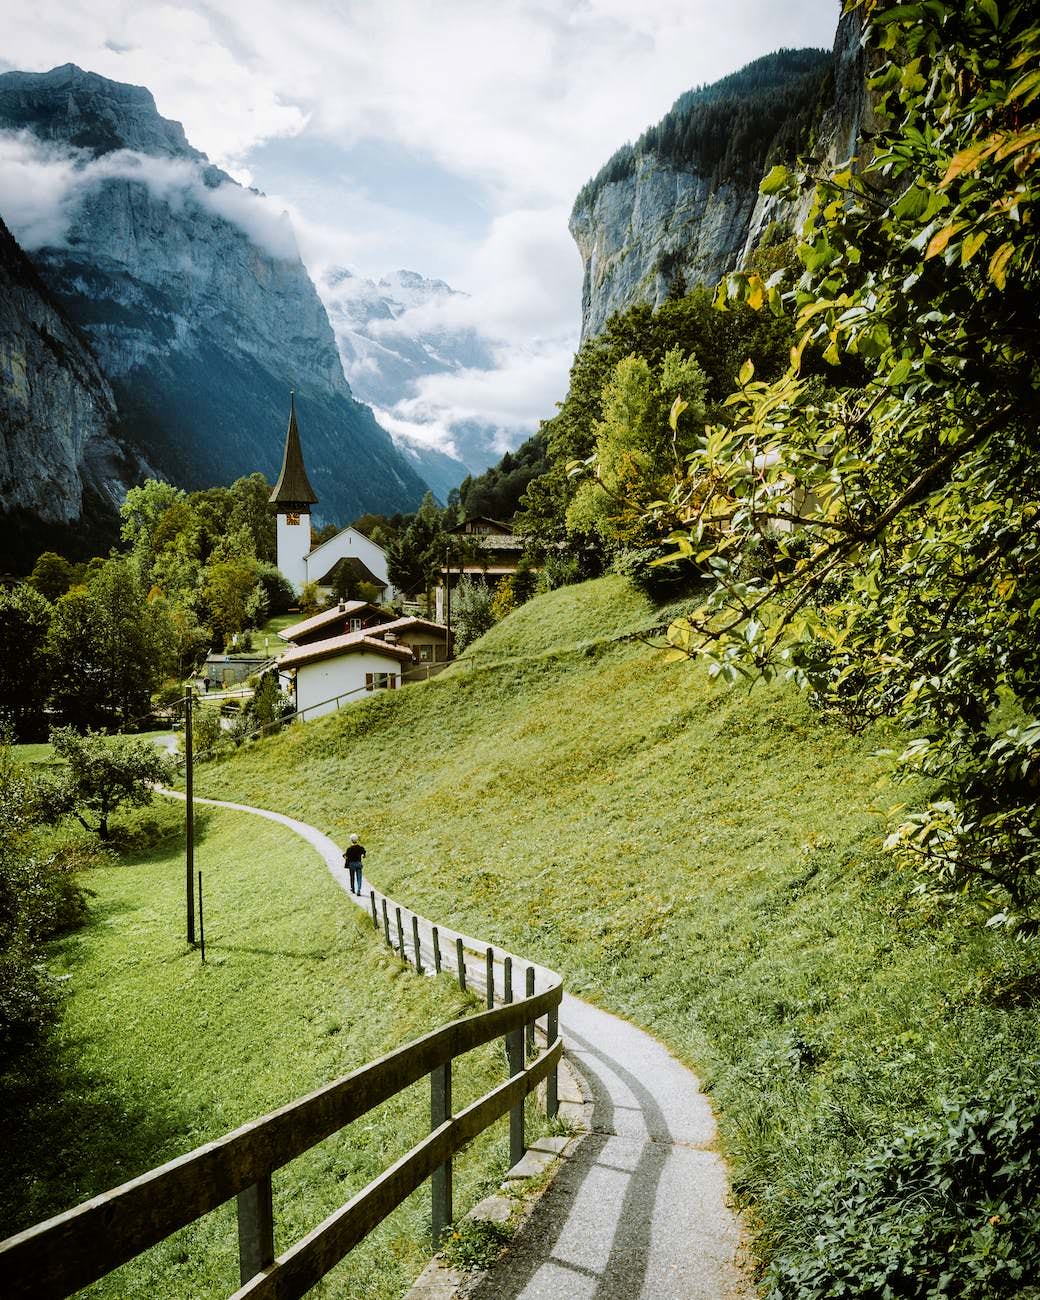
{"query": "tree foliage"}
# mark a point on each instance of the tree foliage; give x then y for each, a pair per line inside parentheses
(25, 617)
(879, 541)
(103, 773)
(731, 128)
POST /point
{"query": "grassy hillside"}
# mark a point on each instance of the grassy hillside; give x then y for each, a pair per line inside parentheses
(158, 1053)
(705, 862)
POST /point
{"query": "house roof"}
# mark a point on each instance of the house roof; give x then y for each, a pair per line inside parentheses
(293, 487)
(327, 616)
(481, 519)
(334, 647)
(409, 623)
(359, 566)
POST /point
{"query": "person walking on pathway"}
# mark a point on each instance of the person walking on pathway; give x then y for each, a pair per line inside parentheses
(355, 852)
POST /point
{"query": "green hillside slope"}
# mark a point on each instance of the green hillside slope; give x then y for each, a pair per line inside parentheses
(704, 862)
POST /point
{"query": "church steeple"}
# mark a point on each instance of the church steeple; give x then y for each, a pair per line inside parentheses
(293, 492)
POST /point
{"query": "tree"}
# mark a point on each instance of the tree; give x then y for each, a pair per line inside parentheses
(879, 542)
(52, 575)
(415, 555)
(472, 613)
(104, 773)
(110, 648)
(25, 619)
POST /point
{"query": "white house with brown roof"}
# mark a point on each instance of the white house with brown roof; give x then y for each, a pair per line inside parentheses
(331, 663)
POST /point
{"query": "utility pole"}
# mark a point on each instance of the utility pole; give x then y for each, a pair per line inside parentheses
(189, 824)
(447, 598)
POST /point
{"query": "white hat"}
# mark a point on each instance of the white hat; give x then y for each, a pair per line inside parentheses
(353, 839)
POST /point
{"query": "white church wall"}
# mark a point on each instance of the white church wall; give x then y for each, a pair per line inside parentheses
(348, 543)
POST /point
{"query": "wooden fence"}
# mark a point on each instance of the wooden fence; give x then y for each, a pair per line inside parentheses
(68, 1252)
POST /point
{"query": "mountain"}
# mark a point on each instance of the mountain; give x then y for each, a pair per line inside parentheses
(63, 472)
(194, 299)
(391, 333)
(681, 206)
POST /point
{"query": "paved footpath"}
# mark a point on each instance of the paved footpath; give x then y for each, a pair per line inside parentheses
(640, 1208)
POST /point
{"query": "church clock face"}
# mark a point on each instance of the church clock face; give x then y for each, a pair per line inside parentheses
(292, 517)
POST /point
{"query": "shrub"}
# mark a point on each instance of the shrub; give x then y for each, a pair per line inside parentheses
(949, 1208)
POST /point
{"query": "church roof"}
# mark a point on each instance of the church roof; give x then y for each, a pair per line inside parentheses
(293, 487)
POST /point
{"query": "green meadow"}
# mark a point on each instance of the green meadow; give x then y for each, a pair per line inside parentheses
(704, 861)
(158, 1053)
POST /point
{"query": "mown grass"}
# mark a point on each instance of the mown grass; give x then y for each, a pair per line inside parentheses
(705, 862)
(158, 1053)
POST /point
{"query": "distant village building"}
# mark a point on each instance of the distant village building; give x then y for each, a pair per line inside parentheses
(292, 499)
(488, 549)
(343, 653)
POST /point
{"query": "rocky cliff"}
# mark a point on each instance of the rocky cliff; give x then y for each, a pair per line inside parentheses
(193, 296)
(682, 207)
(62, 472)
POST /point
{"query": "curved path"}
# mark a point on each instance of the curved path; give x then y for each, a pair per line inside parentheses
(640, 1208)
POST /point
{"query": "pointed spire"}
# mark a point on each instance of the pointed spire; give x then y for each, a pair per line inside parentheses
(293, 490)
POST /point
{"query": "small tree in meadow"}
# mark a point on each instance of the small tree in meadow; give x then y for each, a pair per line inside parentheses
(104, 773)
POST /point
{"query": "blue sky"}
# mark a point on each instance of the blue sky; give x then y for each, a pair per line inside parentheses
(448, 137)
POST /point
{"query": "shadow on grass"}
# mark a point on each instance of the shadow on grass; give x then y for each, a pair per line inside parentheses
(65, 1136)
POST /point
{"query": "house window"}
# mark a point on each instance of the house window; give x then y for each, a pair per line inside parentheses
(353, 625)
(425, 653)
(380, 681)
(292, 517)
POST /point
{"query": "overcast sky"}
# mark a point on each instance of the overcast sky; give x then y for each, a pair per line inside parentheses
(448, 137)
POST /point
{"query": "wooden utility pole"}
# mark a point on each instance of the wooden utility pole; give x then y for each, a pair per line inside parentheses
(189, 823)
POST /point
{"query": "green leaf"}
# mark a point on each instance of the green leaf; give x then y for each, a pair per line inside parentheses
(775, 180)
(747, 371)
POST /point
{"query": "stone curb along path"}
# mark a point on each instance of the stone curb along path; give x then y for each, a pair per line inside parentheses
(638, 1206)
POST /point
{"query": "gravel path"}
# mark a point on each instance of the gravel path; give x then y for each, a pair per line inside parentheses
(640, 1208)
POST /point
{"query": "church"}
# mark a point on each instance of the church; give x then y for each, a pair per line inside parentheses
(292, 499)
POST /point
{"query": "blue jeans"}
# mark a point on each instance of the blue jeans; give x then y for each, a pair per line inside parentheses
(354, 869)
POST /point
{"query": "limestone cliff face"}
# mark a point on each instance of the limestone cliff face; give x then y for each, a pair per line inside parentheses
(60, 465)
(195, 300)
(655, 213)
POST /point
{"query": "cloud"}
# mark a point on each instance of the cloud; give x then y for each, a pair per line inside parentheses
(42, 184)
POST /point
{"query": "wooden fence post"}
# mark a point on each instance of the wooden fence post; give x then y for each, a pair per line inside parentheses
(255, 1229)
(436, 951)
(515, 1057)
(460, 957)
(440, 1113)
(375, 919)
(507, 980)
(490, 963)
(552, 1104)
(529, 991)
(415, 944)
(400, 936)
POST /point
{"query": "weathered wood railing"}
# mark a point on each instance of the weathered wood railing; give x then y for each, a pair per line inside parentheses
(68, 1252)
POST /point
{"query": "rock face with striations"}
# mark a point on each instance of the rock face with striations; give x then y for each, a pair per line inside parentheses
(62, 472)
(682, 206)
(195, 300)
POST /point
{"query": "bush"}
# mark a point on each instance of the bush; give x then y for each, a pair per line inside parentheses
(37, 901)
(949, 1208)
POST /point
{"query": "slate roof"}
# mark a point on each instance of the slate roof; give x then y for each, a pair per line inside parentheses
(317, 621)
(351, 643)
(293, 487)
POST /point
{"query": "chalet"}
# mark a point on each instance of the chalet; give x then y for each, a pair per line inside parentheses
(292, 498)
(487, 549)
(341, 666)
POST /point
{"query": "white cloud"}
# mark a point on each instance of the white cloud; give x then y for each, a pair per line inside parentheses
(41, 184)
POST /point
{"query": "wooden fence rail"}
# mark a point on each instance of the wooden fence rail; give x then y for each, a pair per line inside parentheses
(71, 1250)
